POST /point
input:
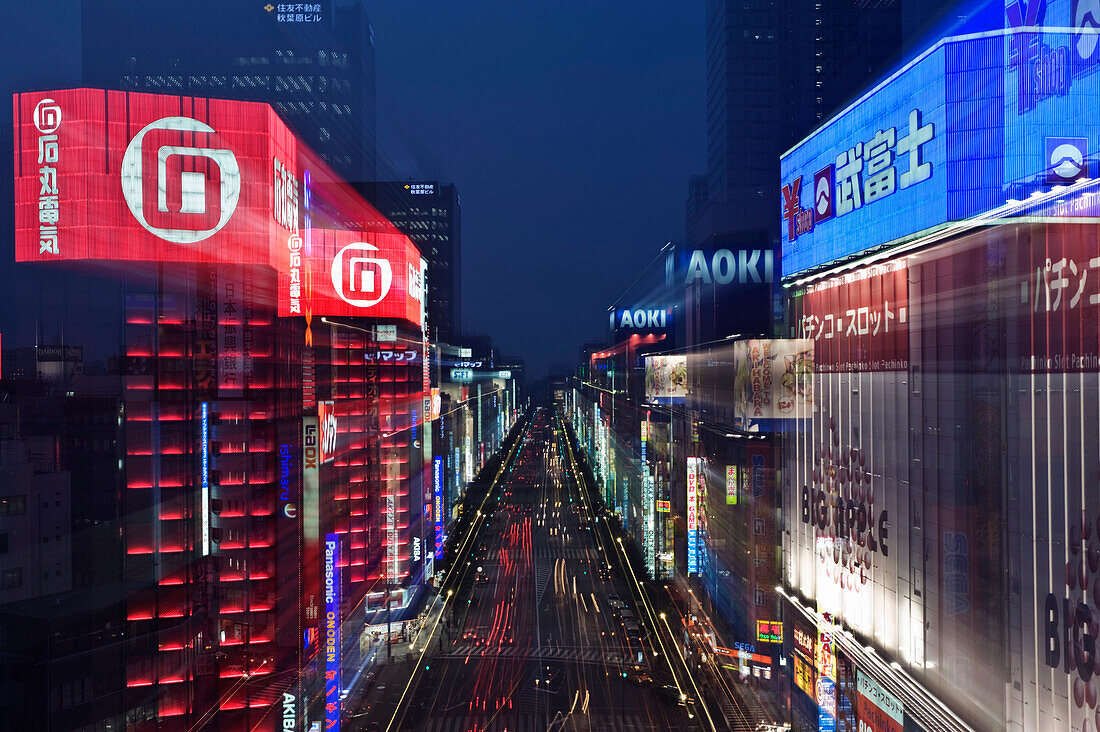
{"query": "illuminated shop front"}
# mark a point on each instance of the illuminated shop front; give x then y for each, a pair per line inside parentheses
(940, 502)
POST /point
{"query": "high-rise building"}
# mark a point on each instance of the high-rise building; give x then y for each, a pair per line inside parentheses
(775, 69)
(258, 447)
(431, 215)
(313, 62)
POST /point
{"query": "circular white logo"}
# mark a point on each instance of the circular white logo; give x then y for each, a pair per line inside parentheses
(192, 185)
(353, 275)
(47, 116)
(1066, 160)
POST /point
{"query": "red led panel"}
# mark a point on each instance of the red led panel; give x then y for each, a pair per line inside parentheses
(127, 176)
(349, 274)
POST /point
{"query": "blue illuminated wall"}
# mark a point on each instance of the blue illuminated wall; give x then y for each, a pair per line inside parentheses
(999, 104)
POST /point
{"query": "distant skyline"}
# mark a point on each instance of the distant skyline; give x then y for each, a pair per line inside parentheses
(570, 130)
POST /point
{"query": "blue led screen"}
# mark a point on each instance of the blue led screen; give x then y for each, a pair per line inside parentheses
(971, 125)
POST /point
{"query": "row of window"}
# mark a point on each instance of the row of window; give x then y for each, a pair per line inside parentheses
(13, 505)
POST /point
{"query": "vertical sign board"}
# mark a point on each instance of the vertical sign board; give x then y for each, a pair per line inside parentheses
(437, 485)
(692, 508)
(826, 681)
(731, 485)
(205, 494)
(877, 709)
(648, 515)
(311, 526)
(332, 632)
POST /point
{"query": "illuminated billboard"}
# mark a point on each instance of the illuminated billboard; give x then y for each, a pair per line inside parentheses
(976, 125)
(666, 378)
(127, 176)
(693, 515)
(773, 380)
(349, 274)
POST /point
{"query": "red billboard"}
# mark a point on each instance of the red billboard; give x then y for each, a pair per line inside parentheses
(859, 321)
(126, 176)
(350, 273)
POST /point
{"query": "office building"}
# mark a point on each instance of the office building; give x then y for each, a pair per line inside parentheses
(313, 62)
(431, 215)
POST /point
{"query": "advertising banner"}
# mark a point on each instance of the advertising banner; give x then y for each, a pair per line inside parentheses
(666, 379)
(128, 176)
(859, 321)
(878, 710)
(731, 485)
(332, 632)
(311, 528)
(773, 380)
(978, 124)
(692, 515)
(351, 273)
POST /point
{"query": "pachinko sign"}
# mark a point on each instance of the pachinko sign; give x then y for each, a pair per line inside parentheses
(127, 176)
(878, 710)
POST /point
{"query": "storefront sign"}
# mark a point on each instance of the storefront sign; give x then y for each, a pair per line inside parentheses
(878, 710)
(769, 631)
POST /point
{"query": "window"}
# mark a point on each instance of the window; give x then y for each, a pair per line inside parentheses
(4, 543)
(13, 505)
(11, 578)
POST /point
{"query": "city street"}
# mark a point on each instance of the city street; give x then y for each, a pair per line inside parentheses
(537, 636)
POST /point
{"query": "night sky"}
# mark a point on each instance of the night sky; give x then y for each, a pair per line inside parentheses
(570, 129)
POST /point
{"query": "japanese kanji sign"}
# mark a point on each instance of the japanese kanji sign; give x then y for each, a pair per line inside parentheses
(859, 320)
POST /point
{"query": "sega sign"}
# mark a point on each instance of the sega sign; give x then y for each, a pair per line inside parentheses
(976, 124)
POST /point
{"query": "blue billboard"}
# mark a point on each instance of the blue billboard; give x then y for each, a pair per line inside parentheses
(992, 124)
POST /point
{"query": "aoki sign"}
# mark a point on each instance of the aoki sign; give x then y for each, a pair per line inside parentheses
(641, 319)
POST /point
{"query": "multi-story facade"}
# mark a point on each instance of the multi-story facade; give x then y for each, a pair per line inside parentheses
(263, 446)
(313, 62)
(431, 215)
(939, 519)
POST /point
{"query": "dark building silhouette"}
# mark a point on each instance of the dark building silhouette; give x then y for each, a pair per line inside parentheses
(775, 70)
(431, 215)
(315, 68)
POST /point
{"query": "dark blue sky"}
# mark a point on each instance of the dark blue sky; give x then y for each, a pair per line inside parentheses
(570, 129)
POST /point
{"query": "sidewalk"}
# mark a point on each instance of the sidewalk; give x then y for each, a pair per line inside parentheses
(386, 674)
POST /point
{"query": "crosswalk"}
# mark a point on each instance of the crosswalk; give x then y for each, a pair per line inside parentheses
(542, 576)
(579, 655)
(557, 552)
(535, 723)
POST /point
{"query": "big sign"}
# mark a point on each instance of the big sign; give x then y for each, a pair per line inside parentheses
(145, 177)
(125, 176)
